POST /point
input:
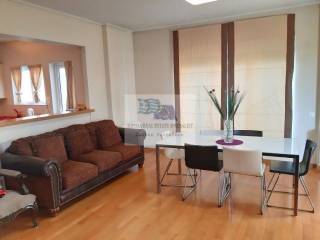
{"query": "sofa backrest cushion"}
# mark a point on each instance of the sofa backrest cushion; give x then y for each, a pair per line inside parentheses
(50, 147)
(92, 128)
(107, 134)
(78, 142)
(20, 147)
(64, 131)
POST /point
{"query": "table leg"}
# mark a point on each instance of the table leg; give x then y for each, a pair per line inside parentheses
(158, 169)
(179, 167)
(296, 185)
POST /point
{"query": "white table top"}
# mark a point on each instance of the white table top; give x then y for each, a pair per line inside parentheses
(277, 147)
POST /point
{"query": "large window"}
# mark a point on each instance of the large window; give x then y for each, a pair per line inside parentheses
(249, 55)
(200, 68)
(27, 90)
(260, 71)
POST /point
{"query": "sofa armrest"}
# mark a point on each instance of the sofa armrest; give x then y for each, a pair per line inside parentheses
(43, 177)
(29, 165)
(133, 136)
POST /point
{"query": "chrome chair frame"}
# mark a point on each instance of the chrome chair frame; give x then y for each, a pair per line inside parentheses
(179, 173)
(209, 160)
(305, 194)
(310, 148)
(24, 191)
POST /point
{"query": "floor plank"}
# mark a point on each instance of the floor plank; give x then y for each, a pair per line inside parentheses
(129, 208)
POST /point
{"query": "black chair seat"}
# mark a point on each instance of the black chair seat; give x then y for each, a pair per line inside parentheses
(285, 168)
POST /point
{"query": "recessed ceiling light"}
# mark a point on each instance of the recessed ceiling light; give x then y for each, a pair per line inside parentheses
(198, 2)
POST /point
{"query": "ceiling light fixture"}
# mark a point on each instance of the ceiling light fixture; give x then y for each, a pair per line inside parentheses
(198, 2)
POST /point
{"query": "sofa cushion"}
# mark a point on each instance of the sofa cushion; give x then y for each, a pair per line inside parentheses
(78, 142)
(50, 147)
(92, 128)
(108, 134)
(127, 151)
(104, 160)
(20, 147)
(75, 173)
(72, 128)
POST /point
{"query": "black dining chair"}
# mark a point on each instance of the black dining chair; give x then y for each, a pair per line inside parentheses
(277, 167)
(202, 158)
(249, 133)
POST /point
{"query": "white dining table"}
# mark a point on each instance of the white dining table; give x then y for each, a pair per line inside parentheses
(283, 149)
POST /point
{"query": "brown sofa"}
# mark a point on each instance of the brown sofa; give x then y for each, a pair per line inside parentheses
(66, 163)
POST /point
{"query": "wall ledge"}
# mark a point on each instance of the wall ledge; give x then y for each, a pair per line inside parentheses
(43, 117)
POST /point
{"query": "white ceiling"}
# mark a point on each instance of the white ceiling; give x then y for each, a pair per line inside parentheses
(151, 14)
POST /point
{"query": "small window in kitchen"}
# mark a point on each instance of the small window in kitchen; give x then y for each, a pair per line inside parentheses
(28, 85)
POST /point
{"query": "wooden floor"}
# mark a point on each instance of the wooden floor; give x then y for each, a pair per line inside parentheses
(130, 208)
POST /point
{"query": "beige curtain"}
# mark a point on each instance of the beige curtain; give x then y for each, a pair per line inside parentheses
(70, 85)
(16, 77)
(35, 72)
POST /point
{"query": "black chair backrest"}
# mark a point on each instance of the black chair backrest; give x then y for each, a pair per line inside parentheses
(307, 156)
(202, 157)
(250, 133)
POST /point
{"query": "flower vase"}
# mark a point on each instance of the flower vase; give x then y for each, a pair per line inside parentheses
(228, 131)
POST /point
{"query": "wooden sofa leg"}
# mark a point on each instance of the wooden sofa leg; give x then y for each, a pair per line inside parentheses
(54, 212)
(141, 165)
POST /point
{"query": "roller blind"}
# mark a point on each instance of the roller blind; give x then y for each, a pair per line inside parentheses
(256, 56)
(260, 71)
(200, 67)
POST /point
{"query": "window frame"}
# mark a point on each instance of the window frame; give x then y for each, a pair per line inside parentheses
(43, 102)
(56, 89)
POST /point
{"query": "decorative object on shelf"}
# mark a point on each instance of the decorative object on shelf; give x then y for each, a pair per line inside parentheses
(30, 112)
(234, 99)
(9, 117)
(80, 107)
(19, 113)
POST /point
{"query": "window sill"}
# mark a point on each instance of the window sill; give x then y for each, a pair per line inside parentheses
(30, 104)
(5, 123)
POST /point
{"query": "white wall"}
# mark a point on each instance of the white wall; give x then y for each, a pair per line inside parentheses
(154, 77)
(306, 72)
(153, 62)
(121, 72)
(32, 22)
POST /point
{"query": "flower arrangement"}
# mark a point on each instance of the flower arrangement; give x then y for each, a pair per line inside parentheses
(234, 99)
